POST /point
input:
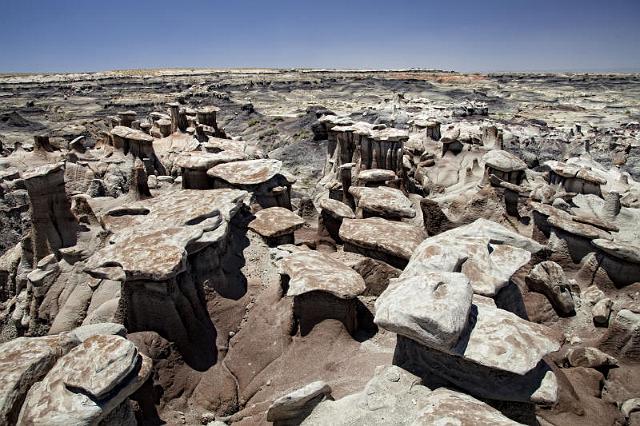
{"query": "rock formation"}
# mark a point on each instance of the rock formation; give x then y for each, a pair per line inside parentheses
(306, 247)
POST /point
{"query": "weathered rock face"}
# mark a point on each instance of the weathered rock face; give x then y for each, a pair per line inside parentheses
(87, 384)
(163, 251)
(394, 396)
(53, 225)
(549, 279)
(23, 362)
(623, 335)
(392, 242)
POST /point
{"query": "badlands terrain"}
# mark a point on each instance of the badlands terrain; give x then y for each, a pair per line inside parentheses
(319, 247)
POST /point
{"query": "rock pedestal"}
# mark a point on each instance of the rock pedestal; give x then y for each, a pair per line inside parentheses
(53, 224)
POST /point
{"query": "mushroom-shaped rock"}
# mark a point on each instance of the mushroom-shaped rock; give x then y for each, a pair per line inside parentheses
(194, 166)
(154, 236)
(623, 336)
(332, 213)
(389, 203)
(313, 271)
(298, 403)
(131, 134)
(154, 241)
(574, 178)
(620, 260)
(262, 177)
(504, 165)
(323, 288)
(139, 144)
(87, 384)
(392, 242)
(276, 225)
(127, 118)
(249, 172)
(337, 209)
(23, 362)
(432, 309)
(498, 356)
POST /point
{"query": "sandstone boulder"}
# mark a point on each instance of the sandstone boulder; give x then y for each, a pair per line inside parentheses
(275, 222)
(432, 308)
(87, 384)
(313, 271)
(389, 203)
(299, 403)
(23, 362)
(393, 242)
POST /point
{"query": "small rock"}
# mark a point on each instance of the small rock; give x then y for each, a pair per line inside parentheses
(601, 311)
(299, 402)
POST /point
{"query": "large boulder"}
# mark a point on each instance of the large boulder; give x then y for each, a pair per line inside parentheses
(87, 384)
(313, 271)
(395, 396)
(392, 242)
(433, 308)
(23, 362)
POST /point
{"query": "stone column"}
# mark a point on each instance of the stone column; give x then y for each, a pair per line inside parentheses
(345, 179)
(174, 108)
(612, 205)
(433, 130)
(53, 225)
(138, 187)
(41, 143)
(127, 118)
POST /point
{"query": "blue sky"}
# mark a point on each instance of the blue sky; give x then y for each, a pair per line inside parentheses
(464, 35)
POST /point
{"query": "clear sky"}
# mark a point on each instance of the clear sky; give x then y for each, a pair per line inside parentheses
(463, 35)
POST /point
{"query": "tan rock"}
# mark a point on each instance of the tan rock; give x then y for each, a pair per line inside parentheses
(249, 172)
(275, 222)
(313, 271)
(23, 362)
(394, 239)
(87, 384)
